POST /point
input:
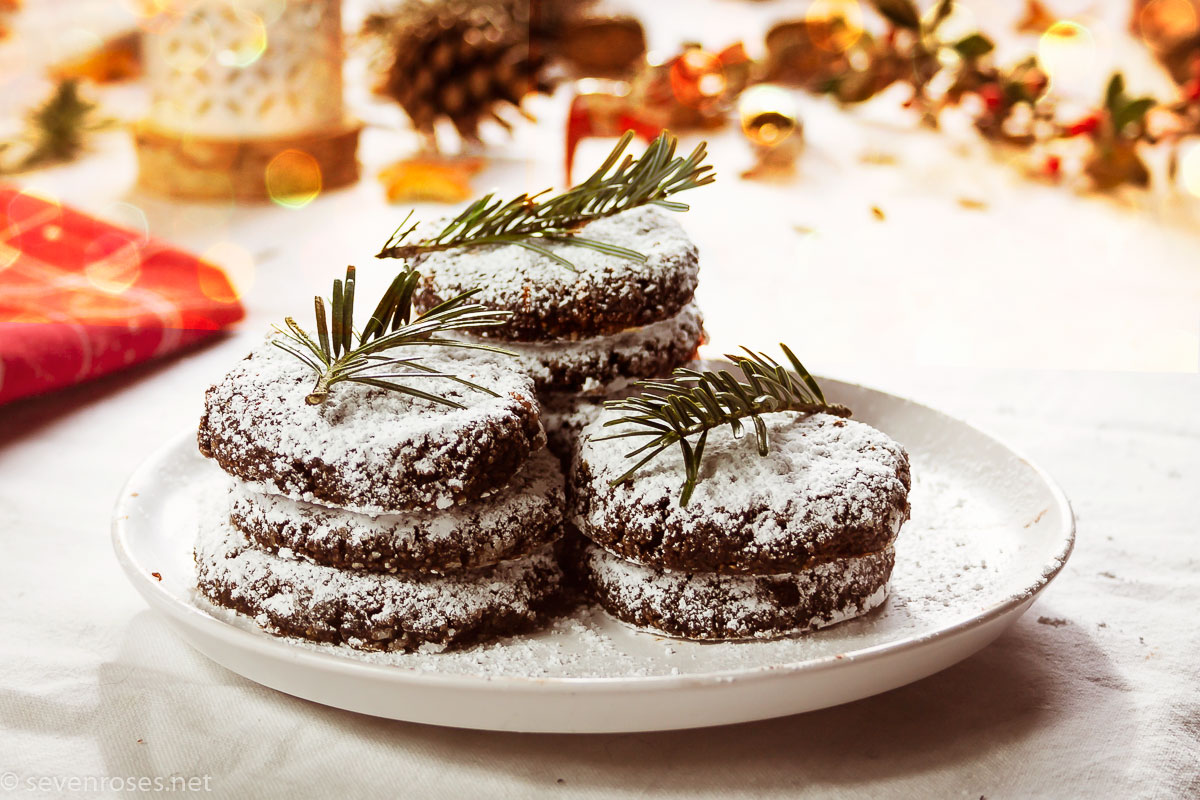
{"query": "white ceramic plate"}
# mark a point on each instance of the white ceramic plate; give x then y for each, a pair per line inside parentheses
(989, 530)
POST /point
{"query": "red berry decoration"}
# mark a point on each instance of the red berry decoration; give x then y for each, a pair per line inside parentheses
(992, 96)
(1087, 125)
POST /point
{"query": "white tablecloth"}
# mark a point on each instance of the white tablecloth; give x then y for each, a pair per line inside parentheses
(1092, 694)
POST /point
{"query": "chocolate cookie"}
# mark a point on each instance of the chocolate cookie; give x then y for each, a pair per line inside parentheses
(605, 295)
(829, 488)
(563, 417)
(294, 597)
(591, 366)
(524, 516)
(712, 606)
(368, 449)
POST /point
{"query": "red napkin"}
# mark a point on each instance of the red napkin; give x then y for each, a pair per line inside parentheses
(80, 298)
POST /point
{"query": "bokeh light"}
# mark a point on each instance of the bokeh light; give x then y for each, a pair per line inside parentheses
(145, 8)
(768, 114)
(247, 44)
(293, 179)
(1189, 169)
(834, 25)
(1163, 22)
(31, 206)
(114, 263)
(697, 78)
(8, 256)
(236, 263)
(130, 216)
(1067, 53)
(151, 16)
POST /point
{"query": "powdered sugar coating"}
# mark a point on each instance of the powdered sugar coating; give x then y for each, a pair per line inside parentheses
(605, 295)
(289, 595)
(368, 449)
(713, 606)
(828, 488)
(523, 516)
(590, 366)
(563, 417)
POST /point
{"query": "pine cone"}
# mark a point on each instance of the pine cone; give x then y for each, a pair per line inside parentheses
(463, 61)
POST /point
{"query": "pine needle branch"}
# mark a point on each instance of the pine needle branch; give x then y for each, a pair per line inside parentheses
(617, 185)
(340, 355)
(691, 403)
(57, 129)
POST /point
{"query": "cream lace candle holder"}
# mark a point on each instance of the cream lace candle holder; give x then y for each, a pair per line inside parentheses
(246, 101)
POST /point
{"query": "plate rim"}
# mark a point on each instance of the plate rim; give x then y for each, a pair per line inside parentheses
(280, 648)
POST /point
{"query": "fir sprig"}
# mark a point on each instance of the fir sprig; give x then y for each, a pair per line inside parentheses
(340, 354)
(57, 129)
(618, 185)
(692, 403)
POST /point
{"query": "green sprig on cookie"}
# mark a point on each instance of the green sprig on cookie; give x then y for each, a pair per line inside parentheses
(691, 403)
(617, 185)
(339, 354)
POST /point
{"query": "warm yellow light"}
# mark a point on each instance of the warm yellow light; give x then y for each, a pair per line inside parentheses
(1189, 170)
(1165, 22)
(768, 114)
(697, 78)
(118, 264)
(293, 179)
(8, 256)
(248, 43)
(145, 8)
(834, 24)
(1067, 51)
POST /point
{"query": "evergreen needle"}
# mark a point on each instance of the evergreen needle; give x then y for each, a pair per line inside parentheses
(340, 355)
(618, 185)
(691, 403)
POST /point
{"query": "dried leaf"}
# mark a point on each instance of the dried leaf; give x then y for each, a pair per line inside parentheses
(1037, 18)
(1114, 92)
(878, 158)
(430, 179)
(1132, 112)
(974, 46)
(1111, 167)
(901, 13)
(118, 59)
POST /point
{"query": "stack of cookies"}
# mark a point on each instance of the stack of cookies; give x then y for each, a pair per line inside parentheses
(378, 519)
(768, 545)
(586, 333)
